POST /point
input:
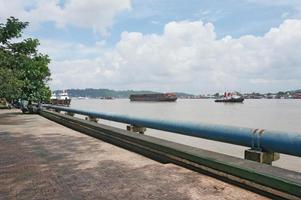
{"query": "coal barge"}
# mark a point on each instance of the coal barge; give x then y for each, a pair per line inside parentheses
(167, 97)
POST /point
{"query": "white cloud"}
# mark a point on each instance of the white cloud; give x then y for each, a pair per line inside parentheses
(95, 14)
(189, 57)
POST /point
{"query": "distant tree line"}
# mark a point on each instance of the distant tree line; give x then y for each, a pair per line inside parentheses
(24, 71)
(97, 93)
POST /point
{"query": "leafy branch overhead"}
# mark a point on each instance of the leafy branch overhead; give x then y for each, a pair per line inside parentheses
(24, 71)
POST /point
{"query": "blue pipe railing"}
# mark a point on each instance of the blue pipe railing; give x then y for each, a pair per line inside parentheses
(265, 140)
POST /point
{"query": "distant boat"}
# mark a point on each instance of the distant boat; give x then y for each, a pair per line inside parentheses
(230, 98)
(167, 97)
(62, 99)
(81, 98)
(297, 96)
(107, 98)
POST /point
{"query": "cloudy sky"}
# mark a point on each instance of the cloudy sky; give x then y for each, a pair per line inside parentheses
(196, 46)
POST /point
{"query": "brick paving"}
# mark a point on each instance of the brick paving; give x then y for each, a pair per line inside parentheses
(40, 159)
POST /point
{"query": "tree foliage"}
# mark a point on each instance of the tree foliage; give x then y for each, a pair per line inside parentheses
(24, 71)
(10, 86)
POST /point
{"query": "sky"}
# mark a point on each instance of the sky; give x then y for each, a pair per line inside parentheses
(194, 46)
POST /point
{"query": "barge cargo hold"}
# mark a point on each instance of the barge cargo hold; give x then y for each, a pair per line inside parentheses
(168, 97)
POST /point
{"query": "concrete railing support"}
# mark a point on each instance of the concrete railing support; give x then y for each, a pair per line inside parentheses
(261, 156)
(69, 114)
(92, 119)
(136, 129)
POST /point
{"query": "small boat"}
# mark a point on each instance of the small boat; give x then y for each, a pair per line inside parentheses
(297, 96)
(62, 99)
(107, 98)
(230, 98)
(167, 97)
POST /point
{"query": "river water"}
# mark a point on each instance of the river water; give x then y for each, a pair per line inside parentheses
(272, 114)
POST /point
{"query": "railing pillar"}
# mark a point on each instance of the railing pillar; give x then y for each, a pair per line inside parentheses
(92, 119)
(261, 156)
(136, 129)
(69, 114)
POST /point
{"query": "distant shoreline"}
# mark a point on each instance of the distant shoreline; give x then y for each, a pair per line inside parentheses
(122, 94)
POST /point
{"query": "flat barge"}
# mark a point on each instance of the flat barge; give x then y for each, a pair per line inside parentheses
(167, 97)
(231, 100)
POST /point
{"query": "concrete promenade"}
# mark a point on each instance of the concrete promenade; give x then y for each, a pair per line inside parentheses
(40, 159)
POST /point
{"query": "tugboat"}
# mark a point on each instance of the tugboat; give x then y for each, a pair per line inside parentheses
(61, 100)
(230, 98)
